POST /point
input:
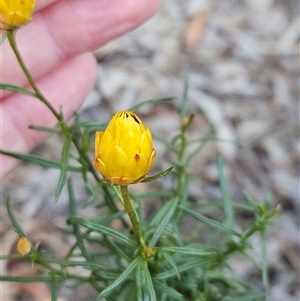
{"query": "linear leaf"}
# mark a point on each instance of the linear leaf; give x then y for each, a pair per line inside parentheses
(102, 229)
(3, 37)
(158, 176)
(228, 208)
(119, 280)
(53, 286)
(171, 292)
(14, 88)
(162, 218)
(184, 103)
(76, 230)
(198, 149)
(71, 263)
(16, 224)
(40, 278)
(38, 160)
(191, 264)
(65, 157)
(149, 101)
(189, 251)
(44, 129)
(145, 289)
(209, 222)
(172, 263)
(253, 297)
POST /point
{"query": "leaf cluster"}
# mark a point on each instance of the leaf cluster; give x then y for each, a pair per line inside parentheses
(173, 265)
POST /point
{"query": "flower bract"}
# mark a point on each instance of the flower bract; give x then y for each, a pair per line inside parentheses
(15, 13)
(123, 152)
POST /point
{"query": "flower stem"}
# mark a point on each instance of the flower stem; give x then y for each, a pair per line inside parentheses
(65, 129)
(12, 41)
(133, 216)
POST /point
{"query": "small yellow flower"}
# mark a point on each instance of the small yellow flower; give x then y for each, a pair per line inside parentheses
(24, 246)
(15, 13)
(123, 152)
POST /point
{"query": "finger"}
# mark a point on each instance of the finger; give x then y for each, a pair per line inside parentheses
(18, 111)
(69, 27)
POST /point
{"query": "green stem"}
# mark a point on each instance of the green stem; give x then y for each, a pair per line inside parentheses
(12, 41)
(65, 129)
(181, 176)
(132, 215)
(68, 275)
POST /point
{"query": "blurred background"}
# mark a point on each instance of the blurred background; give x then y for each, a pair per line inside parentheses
(241, 62)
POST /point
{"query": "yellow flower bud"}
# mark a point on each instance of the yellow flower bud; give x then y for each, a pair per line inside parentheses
(15, 13)
(123, 152)
(24, 246)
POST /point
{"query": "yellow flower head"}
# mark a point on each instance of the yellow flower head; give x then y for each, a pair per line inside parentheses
(15, 13)
(123, 152)
(24, 246)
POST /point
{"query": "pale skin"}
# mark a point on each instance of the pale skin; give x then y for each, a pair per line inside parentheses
(56, 47)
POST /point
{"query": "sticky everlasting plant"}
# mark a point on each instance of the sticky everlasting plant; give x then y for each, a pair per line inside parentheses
(148, 257)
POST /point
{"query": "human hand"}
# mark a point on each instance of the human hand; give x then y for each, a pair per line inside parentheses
(56, 47)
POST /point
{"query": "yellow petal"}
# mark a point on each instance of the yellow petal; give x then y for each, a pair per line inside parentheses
(15, 13)
(106, 140)
(137, 167)
(129, 142)
(98, 136)
(115, 160)
(101, 167)
(151, 159)
(146, 143)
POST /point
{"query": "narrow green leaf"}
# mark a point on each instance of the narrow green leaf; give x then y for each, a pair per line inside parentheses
(264, 260)
(65, 157)
(44, 129)
(171, 262)
(72, 205)
(70, 263)
(91, 125)
(26, 279)
(145, 289)
(76, 230)
(198, 149)
(10, 256)
(31, 158)
(116, 249)
(168, 146)
(189, 264)
(53, 289)
(183, 110)
(126, 273)
(162, 218)
(102, 229)
(252, 297)
(171, 292)
(17, 226)
(3, 37)
(189, 251)
(158, 176)
(150, 101)
(17, 89)
(209, 222)
(226, 198)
